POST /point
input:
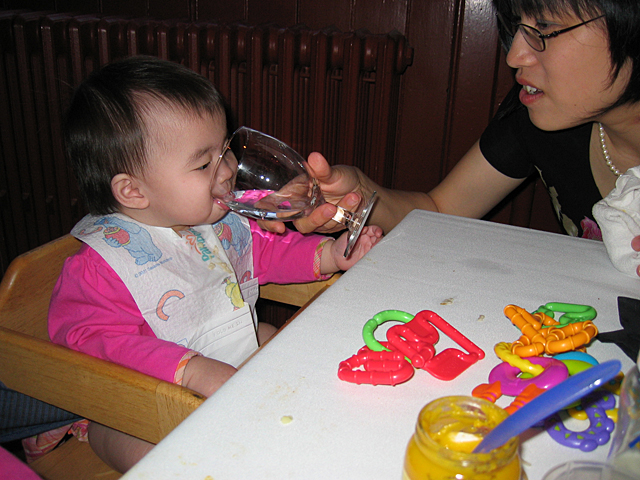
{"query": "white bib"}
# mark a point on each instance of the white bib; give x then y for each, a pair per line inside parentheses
(185, 286)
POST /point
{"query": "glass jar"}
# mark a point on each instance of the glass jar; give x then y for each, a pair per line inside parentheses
(625, 447)
(447, 431)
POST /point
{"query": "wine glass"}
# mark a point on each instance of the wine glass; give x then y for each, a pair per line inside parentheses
(273, 182)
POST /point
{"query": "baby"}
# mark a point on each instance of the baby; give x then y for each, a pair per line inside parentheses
(167, 277)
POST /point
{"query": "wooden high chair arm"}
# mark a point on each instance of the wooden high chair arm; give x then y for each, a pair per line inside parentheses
(298, 294)
(110, 394)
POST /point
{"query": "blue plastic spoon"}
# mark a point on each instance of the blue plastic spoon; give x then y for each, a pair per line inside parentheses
(551, 401)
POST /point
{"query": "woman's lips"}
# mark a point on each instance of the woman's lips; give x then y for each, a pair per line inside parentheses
(529, 94)
(531, 90)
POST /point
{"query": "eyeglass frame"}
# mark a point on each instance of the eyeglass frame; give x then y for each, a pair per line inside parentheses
(507, 27)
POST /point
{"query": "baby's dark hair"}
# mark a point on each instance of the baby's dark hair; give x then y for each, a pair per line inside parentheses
(622, 18)
(105, 130)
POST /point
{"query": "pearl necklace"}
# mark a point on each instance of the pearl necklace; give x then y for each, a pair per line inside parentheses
(605, 152)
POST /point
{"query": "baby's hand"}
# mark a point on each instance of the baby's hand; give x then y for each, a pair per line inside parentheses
(206, 375)
(635, 244)
(368, 238)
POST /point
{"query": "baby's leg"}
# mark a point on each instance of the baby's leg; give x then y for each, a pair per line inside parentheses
(265, 332)
(118, 450)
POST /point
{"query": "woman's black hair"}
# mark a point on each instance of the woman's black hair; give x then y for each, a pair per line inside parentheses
(105, 129)
(622, 18)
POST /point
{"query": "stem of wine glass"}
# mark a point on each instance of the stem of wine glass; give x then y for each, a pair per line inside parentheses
(354, 221)
(345, 217)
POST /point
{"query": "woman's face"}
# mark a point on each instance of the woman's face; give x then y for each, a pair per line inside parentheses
(570, 81)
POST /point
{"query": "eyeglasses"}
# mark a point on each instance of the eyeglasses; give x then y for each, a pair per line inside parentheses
(534, 37)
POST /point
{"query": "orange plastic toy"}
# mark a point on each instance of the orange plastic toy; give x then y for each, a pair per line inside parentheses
(536, 340)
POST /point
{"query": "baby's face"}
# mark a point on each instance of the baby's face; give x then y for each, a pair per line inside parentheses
(185, 173)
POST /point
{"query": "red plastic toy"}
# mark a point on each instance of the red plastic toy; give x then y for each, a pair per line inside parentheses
(380, 368)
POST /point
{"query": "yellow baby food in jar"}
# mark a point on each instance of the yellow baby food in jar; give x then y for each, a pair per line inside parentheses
(447, 431)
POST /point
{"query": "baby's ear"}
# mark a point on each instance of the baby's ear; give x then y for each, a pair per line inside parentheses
(127, 192)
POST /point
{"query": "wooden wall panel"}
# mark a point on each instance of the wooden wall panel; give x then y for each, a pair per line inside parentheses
(426, 95)
(125, 7)
(472, 79)
(380, 15)
(448, 95)
(283, 12)
(326, 13)
(229, 11)
(171, 9)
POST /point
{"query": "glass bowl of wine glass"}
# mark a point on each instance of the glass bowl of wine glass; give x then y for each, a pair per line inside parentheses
(274, 182)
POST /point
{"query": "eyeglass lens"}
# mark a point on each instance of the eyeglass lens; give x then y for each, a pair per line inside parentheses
(508, 31)
(532, 37)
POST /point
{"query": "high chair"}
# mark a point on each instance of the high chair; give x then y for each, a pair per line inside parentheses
(118, 397)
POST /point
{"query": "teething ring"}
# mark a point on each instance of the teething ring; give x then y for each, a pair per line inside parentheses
(554, 372)
(414, 338)
(524, 348)
(580, 356)
(377, 320)
(598, 432)
(573, 312)
(522, 319)
(503, 351)
(570, 337)
(379, 368)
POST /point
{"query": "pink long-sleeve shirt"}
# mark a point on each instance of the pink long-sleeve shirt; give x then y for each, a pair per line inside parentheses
(92, 311)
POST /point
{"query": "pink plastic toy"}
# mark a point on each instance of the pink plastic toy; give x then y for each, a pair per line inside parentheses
(451, 362)
(380, 368)
(554, 372)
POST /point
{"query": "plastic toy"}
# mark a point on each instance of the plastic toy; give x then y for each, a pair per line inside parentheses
(503, 351)
(493, 391)
(418, 335)
(598, 432)
(573, 312)
(408, 345)
(554, 372)
(415, 338)
(536, 340)
(581, 356)
(570, 337)
(377, 320)
(380, 368)
(451, 362)
(574, 366)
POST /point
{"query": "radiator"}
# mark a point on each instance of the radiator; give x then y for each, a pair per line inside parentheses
(318, 90)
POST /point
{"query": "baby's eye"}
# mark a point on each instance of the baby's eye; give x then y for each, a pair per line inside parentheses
(204, 167)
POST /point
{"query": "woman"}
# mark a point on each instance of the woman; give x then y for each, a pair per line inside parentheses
(573, 116)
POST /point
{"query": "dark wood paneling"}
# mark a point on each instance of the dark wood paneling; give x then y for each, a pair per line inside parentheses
(448, 95)
(326, 13)
(78, 6)
(281, 12)
(426, 95)
(125, 7)
(380, 15)
(171, 9)
(472, 79)
(221, 11)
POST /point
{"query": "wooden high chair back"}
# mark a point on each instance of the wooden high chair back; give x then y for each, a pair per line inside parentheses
(112, 395)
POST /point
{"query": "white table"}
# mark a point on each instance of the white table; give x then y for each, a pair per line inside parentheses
(465, 270)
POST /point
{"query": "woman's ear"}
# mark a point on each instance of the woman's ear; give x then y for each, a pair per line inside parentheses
(127, 192)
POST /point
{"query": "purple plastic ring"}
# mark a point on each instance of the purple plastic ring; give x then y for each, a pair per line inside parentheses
(554, 372)
(600, 426)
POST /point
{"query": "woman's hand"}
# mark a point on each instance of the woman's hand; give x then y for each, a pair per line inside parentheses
(341, 185)
(635, 244)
